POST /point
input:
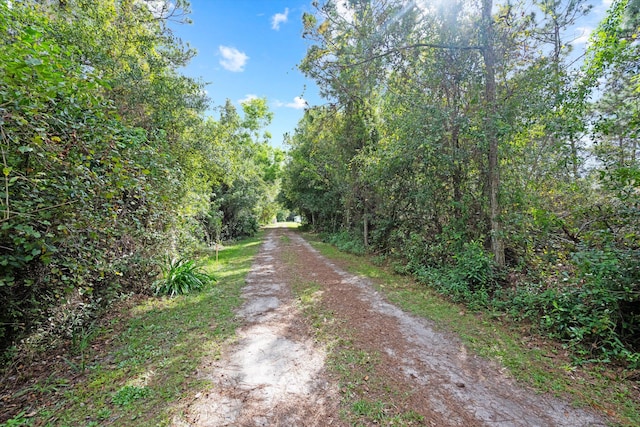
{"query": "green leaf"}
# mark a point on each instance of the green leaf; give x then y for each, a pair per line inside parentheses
(25, 149)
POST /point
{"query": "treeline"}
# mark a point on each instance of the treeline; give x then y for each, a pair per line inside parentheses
(109, 164)
(462, 143)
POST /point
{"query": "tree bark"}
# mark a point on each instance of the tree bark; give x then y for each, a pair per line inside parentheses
(365, 227)
(493, 176)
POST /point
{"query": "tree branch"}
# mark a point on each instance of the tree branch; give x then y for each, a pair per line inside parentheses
(6, 218)
(413, 46)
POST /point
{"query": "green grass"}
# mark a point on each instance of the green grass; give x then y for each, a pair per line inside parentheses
(289, 224)
(530, 360)
(378, 412)
(149, 364)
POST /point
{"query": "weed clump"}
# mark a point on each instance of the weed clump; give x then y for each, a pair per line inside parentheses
(181, 276)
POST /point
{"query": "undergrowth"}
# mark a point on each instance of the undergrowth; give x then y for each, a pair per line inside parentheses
(347, 242)
(585, 304)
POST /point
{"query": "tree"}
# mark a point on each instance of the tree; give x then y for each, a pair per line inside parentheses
(614, 57)
(491, 132)
(458, 133)
(314, 179)
(345, 40)
(86, 196)
(616, 121)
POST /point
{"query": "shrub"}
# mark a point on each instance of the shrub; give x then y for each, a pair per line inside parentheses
(347, 242)
(594, 315)
(474, 265)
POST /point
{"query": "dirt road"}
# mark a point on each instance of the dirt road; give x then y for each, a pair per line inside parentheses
(275, 373)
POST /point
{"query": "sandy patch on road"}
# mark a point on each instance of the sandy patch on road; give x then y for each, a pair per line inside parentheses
(273, 375)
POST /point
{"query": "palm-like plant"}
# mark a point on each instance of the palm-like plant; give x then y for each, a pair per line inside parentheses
(181, 276)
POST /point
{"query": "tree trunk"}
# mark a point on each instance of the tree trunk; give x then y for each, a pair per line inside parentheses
(457, 172)
(365, 228)
(488, 55)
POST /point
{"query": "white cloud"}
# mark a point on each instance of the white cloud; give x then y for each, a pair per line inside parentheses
(279, 18)
(298, 103)
(607, 3)
(232, 58)
(247, 98)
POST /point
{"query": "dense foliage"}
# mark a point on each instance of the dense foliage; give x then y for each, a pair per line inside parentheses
(108, 162)
(461, 142)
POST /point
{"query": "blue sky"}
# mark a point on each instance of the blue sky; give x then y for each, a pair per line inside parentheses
(251, 48)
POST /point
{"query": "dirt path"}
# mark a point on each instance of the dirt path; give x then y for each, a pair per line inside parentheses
(275, 375)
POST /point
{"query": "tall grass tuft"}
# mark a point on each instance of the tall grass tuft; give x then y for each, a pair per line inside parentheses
(181, 276)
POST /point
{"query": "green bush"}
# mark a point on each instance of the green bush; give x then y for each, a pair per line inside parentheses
(474, 265)
(591, 307)
(181, 276)
(594, 314)
(84, 192)
(472, 280)
(416, 250)
(347, 242)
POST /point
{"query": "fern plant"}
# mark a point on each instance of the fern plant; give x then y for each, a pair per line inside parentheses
(181, 276)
